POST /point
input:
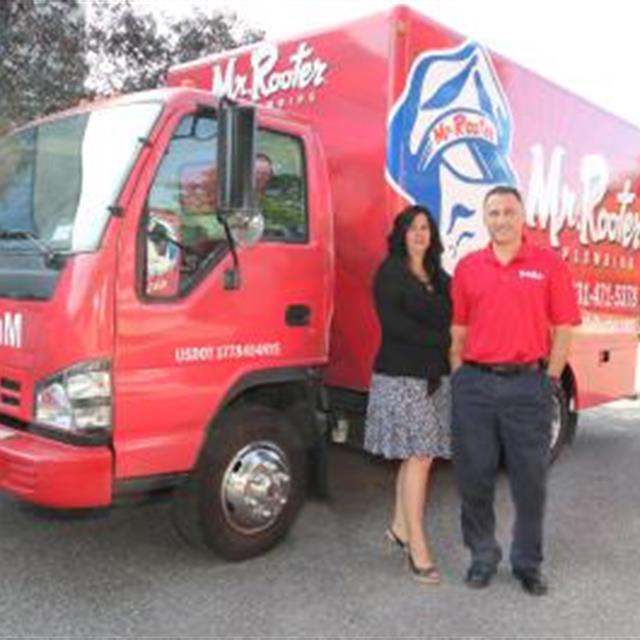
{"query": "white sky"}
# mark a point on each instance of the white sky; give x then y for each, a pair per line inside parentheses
(590, 47)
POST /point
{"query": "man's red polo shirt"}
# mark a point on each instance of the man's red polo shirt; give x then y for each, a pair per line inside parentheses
(508, 310)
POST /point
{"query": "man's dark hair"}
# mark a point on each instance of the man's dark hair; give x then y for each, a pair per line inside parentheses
(504, 190)
(266, 158)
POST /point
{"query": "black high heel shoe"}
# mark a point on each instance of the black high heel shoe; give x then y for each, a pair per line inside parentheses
(393, 537)
(424, 575)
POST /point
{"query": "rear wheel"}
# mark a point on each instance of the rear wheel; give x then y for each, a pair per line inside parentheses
(250, 482)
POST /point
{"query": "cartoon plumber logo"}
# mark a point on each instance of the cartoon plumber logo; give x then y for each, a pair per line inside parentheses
(449, 136)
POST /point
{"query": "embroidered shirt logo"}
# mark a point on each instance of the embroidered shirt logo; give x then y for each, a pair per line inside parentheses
(530, 274)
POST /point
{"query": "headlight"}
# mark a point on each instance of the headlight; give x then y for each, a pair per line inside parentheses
(78, 400)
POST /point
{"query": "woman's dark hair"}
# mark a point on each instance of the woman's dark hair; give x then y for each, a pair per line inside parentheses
(396, 240)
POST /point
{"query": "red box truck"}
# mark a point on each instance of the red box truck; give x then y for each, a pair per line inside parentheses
(156, 333)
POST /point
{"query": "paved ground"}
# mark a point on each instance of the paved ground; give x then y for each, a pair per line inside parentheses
(126, 572)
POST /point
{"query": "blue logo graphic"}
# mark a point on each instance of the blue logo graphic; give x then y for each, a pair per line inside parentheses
(449, 137)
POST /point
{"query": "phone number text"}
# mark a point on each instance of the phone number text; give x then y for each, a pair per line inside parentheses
(607, 295)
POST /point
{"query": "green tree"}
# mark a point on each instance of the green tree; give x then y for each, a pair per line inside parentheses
(54, 53)
(42, 58)
(131, 50)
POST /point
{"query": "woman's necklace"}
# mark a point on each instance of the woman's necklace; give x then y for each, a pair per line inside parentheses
(424, 279)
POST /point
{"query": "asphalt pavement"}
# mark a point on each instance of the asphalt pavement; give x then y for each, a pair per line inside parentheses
(126, 573)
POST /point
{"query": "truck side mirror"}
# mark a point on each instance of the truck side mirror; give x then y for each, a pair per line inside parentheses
(236, 172)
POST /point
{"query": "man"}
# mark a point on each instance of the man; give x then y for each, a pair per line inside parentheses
(514, 306)
(264, 173)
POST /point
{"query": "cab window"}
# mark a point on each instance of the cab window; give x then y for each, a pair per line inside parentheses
(183, 234)
(183, 237)
(281, 190)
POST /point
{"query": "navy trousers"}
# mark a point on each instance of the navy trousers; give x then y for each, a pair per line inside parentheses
(509, 415)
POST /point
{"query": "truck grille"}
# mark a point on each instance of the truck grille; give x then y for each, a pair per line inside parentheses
(10, 392)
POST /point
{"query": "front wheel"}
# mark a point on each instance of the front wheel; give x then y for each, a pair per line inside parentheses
(250, 482)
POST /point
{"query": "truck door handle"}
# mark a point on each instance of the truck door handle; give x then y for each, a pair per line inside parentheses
(298, 315)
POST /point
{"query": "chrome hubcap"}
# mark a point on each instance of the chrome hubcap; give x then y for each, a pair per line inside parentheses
(255, 487)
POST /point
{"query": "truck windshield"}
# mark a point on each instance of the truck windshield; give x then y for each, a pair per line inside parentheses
(59, 179)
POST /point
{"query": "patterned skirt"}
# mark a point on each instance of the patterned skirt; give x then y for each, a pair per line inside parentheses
(403, 421)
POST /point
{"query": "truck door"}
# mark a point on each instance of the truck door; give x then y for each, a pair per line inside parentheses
(184, 338)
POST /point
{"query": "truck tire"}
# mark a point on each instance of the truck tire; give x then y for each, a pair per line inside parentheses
(560, 424)
(185, 514)
(250, 482)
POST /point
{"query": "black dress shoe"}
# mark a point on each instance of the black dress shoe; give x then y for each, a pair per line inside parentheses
(479, 575)
(532, 581)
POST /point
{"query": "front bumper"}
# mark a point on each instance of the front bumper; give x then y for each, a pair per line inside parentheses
(54, 474)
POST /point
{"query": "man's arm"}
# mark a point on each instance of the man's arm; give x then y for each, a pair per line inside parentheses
(458, 338)
(561, 340)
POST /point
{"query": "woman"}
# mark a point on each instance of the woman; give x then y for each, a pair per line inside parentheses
(408, 414)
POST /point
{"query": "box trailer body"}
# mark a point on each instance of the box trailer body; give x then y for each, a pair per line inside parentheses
(408, 111)
(136, 355)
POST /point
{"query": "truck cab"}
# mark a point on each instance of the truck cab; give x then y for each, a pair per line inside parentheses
(132, 320)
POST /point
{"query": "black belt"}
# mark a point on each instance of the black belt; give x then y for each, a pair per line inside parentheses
(507, 368)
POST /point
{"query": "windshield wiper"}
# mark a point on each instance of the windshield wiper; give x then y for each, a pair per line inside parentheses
(51, 257)
(19, 234)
